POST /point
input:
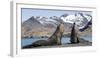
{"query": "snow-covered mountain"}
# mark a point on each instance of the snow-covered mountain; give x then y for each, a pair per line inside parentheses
(44, 20)
(79, 18)
(47, 24)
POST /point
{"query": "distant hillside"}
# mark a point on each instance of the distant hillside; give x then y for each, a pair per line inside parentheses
(43, 26)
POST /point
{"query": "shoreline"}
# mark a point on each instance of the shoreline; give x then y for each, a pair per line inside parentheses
(82, 43)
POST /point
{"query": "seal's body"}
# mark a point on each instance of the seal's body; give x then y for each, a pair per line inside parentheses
(54, 39)
(57, 35)
(74, 34)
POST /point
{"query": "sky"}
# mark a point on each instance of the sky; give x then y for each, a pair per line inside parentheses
(26, 13)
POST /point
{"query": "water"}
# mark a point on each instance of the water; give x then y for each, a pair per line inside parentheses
(87, 37)
(28, 41)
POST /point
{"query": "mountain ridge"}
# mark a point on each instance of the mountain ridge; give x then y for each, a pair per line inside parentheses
(41, 26)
